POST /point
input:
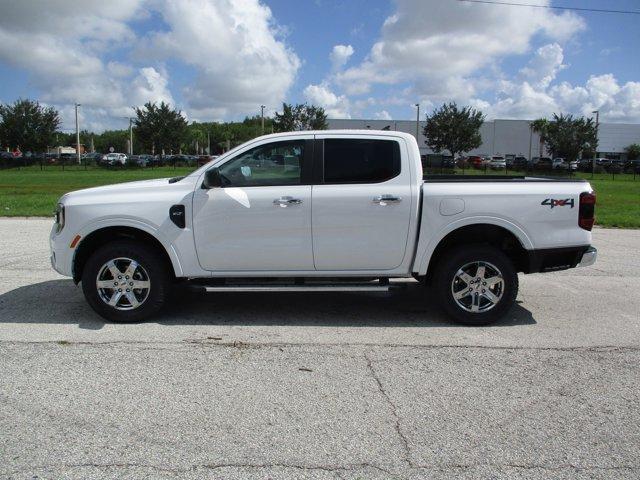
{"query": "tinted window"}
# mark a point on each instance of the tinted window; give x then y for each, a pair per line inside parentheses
(277, 163)
(360, 161)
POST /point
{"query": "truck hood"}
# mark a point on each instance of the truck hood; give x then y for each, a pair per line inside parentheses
(125, 192)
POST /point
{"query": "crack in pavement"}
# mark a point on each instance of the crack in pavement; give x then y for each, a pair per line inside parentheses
(255, 345)
(208, 466)
(329, 468)
(519, 466)
(394, 412)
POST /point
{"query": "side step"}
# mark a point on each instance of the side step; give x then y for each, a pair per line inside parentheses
(298, 288)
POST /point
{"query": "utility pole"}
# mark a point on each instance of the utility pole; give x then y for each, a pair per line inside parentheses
(78, 136)
(130, 137)
(262, 107)
(595, 147)
(530, 141)
(208, 143)
(417, 122)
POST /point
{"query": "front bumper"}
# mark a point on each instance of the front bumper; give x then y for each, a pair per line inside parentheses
(61, 254)
(588, 257)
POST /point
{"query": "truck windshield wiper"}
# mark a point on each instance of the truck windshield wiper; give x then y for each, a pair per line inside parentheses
(176, 179)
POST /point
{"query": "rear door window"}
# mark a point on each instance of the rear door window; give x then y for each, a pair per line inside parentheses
(360, 160)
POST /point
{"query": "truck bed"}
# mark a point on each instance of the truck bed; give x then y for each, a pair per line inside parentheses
(496, 178)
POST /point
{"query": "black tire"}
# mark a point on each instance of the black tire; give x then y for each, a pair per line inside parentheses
(153, 266)
(445, 274)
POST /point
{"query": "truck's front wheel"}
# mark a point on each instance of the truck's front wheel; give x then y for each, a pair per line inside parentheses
(476, 284)
(125, 282)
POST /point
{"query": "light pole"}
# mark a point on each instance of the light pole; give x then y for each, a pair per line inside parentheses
(417, 121)
(130, 137)
(530, 141)
(78, 136)
(262, 107)
(595, 147)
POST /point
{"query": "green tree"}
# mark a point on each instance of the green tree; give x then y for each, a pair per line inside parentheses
(567, 136)
(159, 127)
(300, 117)
(541, 127)
(454, 129)
(113, 138)
(633, 151)
(28, 125)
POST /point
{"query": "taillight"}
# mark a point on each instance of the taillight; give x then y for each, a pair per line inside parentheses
(586, 213)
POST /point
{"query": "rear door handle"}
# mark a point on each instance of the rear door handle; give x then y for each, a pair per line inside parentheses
(384, 199)
(286, 201)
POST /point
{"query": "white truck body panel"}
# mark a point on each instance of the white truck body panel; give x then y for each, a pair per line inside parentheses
(337, 230)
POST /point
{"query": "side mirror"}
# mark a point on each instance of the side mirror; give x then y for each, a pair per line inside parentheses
(212, 179)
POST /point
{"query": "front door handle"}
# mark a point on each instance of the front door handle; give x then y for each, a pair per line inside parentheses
(286, 201)
(384, 199)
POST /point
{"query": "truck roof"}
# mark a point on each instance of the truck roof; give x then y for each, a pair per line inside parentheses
(346, 132)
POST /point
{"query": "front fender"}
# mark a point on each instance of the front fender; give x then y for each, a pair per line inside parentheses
(140, 225)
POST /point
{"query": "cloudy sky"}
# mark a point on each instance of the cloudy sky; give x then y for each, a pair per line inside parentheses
(222, 59)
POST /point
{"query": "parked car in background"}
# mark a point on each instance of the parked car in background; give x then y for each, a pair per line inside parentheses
(559, 164)
(497, 162)
(204, 159)
(114, 160)
(615, 166)
(519, 163)
(143, 160)
(68, 158)
(585, 164)
(179, 160)
(542, 163)
(475, 161)
(632, 166)
(93, 157)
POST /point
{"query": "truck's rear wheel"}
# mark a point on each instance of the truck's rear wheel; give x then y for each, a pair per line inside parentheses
(476, 284)
(125, 282)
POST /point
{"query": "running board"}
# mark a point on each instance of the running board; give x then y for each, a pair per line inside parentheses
(297, 288)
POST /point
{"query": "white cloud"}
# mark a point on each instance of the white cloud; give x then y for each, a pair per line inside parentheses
(382, 115)
(150, 83)
(340, 55)
(232, 44)
(544, 66)
(616, 102)
(336, 106)
(429, 41)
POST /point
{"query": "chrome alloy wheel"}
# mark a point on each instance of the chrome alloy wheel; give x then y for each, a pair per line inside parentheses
(123, 284)
(477, 287)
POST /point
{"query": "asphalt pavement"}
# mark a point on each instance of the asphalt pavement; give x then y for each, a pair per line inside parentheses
(322, 385)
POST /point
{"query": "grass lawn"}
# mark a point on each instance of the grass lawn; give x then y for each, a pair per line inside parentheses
(32, 192)
(617, 202)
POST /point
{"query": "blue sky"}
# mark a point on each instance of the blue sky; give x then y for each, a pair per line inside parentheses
(221, 59)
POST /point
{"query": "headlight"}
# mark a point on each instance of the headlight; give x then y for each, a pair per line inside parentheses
(59, 217)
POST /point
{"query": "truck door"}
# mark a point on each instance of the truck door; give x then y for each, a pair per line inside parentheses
(361, 203)
(260, 217)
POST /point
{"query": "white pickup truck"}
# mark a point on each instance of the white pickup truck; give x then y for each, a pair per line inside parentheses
(321, 211)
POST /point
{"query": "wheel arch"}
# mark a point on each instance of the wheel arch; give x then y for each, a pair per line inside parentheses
(495, 232)
(103, 234)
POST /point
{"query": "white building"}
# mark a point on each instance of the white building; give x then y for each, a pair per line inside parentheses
(506, 136)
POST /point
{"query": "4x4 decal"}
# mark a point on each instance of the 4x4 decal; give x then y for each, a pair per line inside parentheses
(553, 202)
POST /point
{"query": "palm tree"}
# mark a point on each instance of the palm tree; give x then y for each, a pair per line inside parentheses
(541, 127)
